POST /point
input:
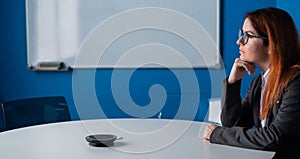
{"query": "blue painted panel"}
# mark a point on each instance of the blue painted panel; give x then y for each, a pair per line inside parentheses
(292, 7)
(179, 100)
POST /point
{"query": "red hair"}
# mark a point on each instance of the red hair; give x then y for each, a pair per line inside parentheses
(284, 50)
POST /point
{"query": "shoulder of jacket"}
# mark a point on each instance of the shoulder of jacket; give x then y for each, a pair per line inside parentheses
(296, 76)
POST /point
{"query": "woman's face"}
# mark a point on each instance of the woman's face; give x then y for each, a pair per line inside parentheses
(253, 51)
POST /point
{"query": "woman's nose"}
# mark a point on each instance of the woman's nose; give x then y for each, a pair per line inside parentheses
(239, 41)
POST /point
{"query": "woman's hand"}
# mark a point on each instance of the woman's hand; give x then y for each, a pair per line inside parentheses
(239, 68)
(208, 130)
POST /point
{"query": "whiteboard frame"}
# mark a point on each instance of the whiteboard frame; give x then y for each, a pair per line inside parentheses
(35, 58)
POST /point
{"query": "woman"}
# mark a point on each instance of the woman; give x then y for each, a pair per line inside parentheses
(268, 118)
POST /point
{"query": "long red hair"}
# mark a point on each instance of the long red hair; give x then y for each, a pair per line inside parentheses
(284, 50)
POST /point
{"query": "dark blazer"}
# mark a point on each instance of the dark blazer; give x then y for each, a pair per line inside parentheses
(241, 125)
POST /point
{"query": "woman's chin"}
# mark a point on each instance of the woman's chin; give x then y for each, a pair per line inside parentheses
(243, 58)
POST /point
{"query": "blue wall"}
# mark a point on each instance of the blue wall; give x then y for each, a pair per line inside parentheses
(292, 7)
(19, 82)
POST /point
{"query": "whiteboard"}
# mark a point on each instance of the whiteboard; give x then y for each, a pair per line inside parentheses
(123, 33)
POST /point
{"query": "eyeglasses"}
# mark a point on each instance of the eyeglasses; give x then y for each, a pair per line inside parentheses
(245, 36)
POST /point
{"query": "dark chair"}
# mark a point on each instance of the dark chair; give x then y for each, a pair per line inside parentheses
(34, 111)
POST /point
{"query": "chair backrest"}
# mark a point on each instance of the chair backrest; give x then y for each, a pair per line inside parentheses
(34, 111)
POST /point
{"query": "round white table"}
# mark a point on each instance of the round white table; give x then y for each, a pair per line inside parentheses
(142, 139)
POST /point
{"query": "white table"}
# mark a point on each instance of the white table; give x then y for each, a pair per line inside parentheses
(142, 139)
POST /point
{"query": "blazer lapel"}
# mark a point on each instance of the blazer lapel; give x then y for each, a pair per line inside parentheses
(274, 111)
(256, 102)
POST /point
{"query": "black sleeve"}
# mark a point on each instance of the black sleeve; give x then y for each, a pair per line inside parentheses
(281, 133)
(235, 111)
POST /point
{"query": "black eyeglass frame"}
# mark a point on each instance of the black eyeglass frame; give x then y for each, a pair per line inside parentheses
(245, 36)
